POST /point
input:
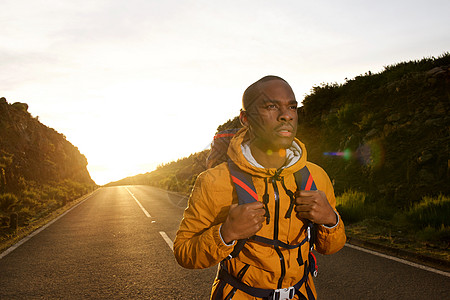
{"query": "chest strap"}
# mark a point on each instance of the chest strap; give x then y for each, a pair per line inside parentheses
(271, 294)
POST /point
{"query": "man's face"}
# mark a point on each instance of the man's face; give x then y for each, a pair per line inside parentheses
(272, 118)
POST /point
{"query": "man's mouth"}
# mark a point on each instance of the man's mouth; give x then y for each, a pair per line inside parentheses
(285, 132)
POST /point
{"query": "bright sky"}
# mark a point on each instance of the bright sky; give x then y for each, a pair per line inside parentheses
(137, 83)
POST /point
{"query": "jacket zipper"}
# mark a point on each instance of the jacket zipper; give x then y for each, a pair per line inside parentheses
(275, 232)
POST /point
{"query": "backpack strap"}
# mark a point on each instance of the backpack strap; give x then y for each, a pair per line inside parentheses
(246, 194)
(304, 180)
(244, 184)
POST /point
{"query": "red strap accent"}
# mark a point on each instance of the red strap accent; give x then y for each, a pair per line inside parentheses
(245, 187)
(315, 260)
(309, 183)
(221, 135)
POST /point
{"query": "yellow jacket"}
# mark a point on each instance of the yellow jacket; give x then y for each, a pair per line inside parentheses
(198, 243)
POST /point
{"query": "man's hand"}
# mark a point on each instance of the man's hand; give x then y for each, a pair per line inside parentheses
(314, 206)
(243, 221)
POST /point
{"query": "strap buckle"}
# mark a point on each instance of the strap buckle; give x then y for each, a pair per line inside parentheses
(308, 230)
(283, 294)
(310, 233)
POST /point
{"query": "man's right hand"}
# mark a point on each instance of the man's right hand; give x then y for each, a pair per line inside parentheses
(242, 221)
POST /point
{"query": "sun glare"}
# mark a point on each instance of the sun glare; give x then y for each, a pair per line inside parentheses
(113, 171)
(132, 128)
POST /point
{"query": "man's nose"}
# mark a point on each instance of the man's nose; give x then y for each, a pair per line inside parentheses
(286, 114)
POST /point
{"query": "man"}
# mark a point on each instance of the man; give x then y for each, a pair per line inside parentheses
(277, 263)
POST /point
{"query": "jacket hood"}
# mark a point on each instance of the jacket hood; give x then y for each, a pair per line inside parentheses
(237, 156)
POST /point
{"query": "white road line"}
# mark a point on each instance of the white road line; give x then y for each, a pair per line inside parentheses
(139, 203)
(25, 239)
(167, 239)
(399, 260)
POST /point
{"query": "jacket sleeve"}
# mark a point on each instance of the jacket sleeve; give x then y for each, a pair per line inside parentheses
(198, 243)
(329, 240)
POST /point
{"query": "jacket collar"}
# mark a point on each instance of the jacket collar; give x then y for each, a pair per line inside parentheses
(239, 152)
(293, 155)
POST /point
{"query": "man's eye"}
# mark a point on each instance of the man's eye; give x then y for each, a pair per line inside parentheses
(294, 107)
(271, 106)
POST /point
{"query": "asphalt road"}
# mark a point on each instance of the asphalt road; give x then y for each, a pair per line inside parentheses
(116, 245)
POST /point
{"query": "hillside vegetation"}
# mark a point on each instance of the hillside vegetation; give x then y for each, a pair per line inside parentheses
(40, 171)
(177, 176)
(384, 141)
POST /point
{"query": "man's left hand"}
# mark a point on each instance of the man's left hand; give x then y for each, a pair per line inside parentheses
(314, 206)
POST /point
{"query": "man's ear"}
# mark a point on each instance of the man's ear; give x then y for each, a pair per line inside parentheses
(243, 118)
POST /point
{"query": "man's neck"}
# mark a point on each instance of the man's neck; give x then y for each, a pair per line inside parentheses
(269, 158)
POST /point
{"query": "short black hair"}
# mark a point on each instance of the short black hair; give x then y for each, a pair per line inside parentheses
(254, 90)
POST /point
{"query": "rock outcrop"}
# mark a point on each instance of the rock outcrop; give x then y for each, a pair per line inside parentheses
(35, 152)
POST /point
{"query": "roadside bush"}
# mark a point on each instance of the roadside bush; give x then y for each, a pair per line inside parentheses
(73, 189)
(52, 193)
(431, 212)
(351, 206)
(51, 205)
(31, 198)
(25, 214)
(440, 235)
(8, 202)
(380, 209)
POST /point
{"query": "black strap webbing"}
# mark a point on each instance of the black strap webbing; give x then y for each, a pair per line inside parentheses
(238, 248)
(224, 276)
(277, 243)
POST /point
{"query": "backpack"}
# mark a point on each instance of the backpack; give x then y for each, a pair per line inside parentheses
(246, 194)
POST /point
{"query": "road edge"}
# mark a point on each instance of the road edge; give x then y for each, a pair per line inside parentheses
(30, 231)
(418, 258)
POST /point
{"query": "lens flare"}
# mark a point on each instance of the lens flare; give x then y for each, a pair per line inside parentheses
(370, 154)
(346, 154)
(282, 152)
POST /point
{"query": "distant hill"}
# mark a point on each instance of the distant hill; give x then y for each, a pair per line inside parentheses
(386, 134)
(176, 176)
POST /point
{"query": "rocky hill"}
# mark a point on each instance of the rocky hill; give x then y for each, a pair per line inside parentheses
(35, 152)
(386, 134)
(41, 173)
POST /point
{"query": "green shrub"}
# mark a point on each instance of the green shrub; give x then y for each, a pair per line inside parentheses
(380, 209)
(52, 204)
(31, 198)
(347, 115)
(55, 193)
(25, 214)
(431, 234)
(431, 212)
(8, 202)
(366, 121)
(351, 206)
